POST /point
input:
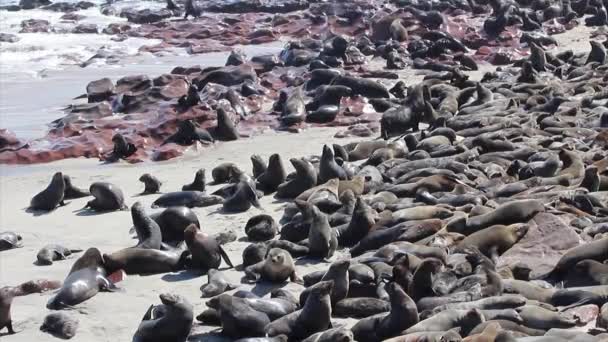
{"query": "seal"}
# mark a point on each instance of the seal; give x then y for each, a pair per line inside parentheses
(50, 253)
(10, 240)
(148, 231)
(135, 260)
(437, 336)
(379, 327)
(360, 307)
(239, 319)
(314, 317)
(423, 276)
(206, 252)
(261, 228)
(192, 8)
(495, 240)
(216, 284)
(595, 250)
(151, 184)
(276, 268)
(49, 198)
(338, 335)
(86, 278)
(71, 191)
(322, 240)
(170, 321)
(122, 149)
(259, 166)
(294, 109)
(60, 325)
(362, 220)
(466, 320)
(198, 184)
(173, 221)
(338, 273)
(305, 178)
(594, 270)
(273, 176)
(536, 317)
(225, 130)
(6, 299)
(108, 197)
(188, 133)
(243, 197)
(254, 253)
(328, 168)
(188, 199)
(275, 307)
(225, 172)
(509, 213)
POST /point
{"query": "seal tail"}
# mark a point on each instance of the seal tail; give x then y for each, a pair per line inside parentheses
(225, 257)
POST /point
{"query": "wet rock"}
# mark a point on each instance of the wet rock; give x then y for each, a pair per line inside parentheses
(100, 90)
(246, 6)
(116, 28)
(68, 6)
(146, 16)
(9, 38)
(31, 4)
(72, 17)
(35, 26)
(85, 28)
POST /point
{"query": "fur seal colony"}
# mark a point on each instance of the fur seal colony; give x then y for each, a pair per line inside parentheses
(477, 210)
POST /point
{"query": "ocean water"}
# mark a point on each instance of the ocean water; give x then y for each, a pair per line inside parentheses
(41, 74)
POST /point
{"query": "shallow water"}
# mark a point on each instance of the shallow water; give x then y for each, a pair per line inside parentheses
(40, 74)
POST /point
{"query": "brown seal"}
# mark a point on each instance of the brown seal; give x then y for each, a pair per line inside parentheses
(322, 240)
(379, 327)
(199, 182)
(170, 321)
(71, 191)
(206, 252)
(107, 197)
(314, 317)
(49, 198)
(151, 184)
(495, 240)
(60, 324)
(305, 178)
(277, 267)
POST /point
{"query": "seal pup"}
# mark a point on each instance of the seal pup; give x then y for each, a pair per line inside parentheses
(122, 149)
(293, 110)
(10, 240)
(86, 278)
(50, 253)
(379, 327)
(314, 317)
(71, 191)
(261, 228)
(49, 198)
(198, 184)
(273, 176)
(188, 199)
(108, 197)
(148, 231)
(276, 267)
(328, 168)
(151, 184)
(170, 321)
(60, 324)
(322, 240)
(216, 284)
(206, 252)
(305, 178)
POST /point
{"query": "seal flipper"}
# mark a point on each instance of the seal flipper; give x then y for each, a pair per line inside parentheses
(225, 256)
(106, 285)
(148, 314)
(294, 278)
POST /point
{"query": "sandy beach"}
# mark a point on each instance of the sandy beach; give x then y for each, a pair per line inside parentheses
(115, 316)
